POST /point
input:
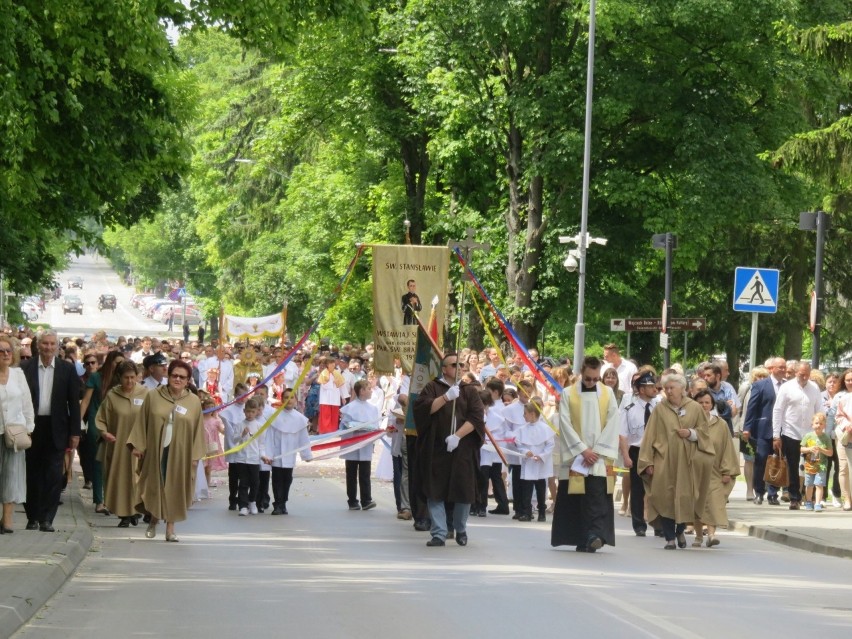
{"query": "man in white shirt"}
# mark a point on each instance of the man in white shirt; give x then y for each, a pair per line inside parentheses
(797, 401)
(625, 368)
(156, 367)
(141, 354)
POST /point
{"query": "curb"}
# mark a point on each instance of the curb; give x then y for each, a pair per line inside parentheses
(45, 570)
(793, 540)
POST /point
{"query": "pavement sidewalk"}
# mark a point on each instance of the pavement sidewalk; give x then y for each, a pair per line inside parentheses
(34, 565)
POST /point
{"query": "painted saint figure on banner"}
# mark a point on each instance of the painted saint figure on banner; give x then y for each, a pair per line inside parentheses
(410, 304)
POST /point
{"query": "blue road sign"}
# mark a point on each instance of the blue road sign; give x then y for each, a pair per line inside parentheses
(756, 289)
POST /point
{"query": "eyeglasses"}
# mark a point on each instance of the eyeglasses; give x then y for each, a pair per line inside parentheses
(591, 380)
(183, 377)
(91, 362)
(453, 365)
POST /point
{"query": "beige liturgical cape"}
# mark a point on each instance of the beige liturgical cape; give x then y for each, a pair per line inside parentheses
(168, 498)
(678, 489)
(117, 416)
(726, 462)
(587, 420)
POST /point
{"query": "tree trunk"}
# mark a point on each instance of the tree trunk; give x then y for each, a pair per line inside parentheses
(732, 349)
(415, 168)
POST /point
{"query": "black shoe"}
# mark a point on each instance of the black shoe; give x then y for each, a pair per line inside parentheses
(481, 513)
(421, 526)
(681, 540)
(369, 505)
(758, 499)
(275, 511)
(594, 544)
(5, 531)
(515, 516)
(451, 534)
(436, 541)
(147, 518)
(124, 522)
(354, 506)
(46, 526)
(794, 505)
(773, 501)
(524, 518)
(232, 507)
(582, 549)
(135, 519)
(283, 510)
(499, 511)
(542, 516)
(640, 533)
(32, 524)
(658, 533)
(461, 539)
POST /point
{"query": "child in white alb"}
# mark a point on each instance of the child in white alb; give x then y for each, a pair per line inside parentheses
(254, 450)
(359, 411)
(535, 441)
(287, 433)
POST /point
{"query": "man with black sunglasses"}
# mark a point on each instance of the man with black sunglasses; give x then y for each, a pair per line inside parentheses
(450, 420)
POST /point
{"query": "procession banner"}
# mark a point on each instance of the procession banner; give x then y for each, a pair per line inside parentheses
(406, 280)
(255, 327)
(426, 367)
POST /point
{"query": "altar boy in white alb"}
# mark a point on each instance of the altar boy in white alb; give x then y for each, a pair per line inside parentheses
(288, 433)
(359, 411)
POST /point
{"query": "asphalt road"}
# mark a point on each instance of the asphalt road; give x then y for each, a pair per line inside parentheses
(98, 278)
(323, 571)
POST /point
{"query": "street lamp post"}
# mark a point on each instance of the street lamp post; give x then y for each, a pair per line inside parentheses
(667, 242)
(818, 222)
(575, 260)
(582, 243)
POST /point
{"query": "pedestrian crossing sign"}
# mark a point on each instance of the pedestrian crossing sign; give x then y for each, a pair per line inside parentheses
(756, 289)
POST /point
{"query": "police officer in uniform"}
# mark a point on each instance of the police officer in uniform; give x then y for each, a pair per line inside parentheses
(634, 417)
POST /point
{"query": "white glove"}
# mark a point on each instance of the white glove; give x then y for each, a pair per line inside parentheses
(452, 393)
(452, 442)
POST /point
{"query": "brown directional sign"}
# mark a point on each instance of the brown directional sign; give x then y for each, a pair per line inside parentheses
(656, 324)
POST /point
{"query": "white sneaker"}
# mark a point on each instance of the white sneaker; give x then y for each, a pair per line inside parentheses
(243, 512)
(835, 503)
(253, 508)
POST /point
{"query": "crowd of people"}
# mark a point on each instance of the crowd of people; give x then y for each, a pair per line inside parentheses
(141, 413)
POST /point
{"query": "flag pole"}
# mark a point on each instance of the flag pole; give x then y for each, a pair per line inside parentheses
(440, 354)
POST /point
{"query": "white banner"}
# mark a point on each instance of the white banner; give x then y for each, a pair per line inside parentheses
(249, 327)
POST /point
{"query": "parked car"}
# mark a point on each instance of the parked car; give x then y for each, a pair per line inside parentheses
(137, 299)
(29, 311)
(193, 317)
(106, 300)
(72, 304)
(75, 282)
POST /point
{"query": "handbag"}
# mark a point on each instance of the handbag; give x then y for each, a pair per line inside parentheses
(16, 437)
(776, 473)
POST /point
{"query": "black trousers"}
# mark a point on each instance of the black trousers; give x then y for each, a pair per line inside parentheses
(45, 473)
(671, 529)
(637, 493)
(515, 469)
(792, 450)
(233, 482)
(249, 478)
(527, 486)
(416, 496)
(263, 489)
(358, 476)
(282, 479)
(492, 473)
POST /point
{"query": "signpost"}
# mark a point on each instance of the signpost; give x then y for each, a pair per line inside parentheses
(631, 324)
(755, 291)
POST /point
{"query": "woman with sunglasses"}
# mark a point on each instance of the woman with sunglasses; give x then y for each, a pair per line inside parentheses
(98, 384)
(16, 407)
(168, 438)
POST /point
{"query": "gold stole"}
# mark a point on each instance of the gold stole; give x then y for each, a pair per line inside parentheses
(577, 481)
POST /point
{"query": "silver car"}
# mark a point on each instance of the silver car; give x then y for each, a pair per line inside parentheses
(72, 304)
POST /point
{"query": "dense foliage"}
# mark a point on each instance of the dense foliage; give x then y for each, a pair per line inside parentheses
(318, 126)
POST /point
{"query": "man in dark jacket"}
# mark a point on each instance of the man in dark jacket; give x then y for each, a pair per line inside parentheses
(449, 440)
(55, 389)
(757, 426)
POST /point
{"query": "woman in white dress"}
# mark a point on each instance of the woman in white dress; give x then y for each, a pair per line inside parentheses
(16, 407)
